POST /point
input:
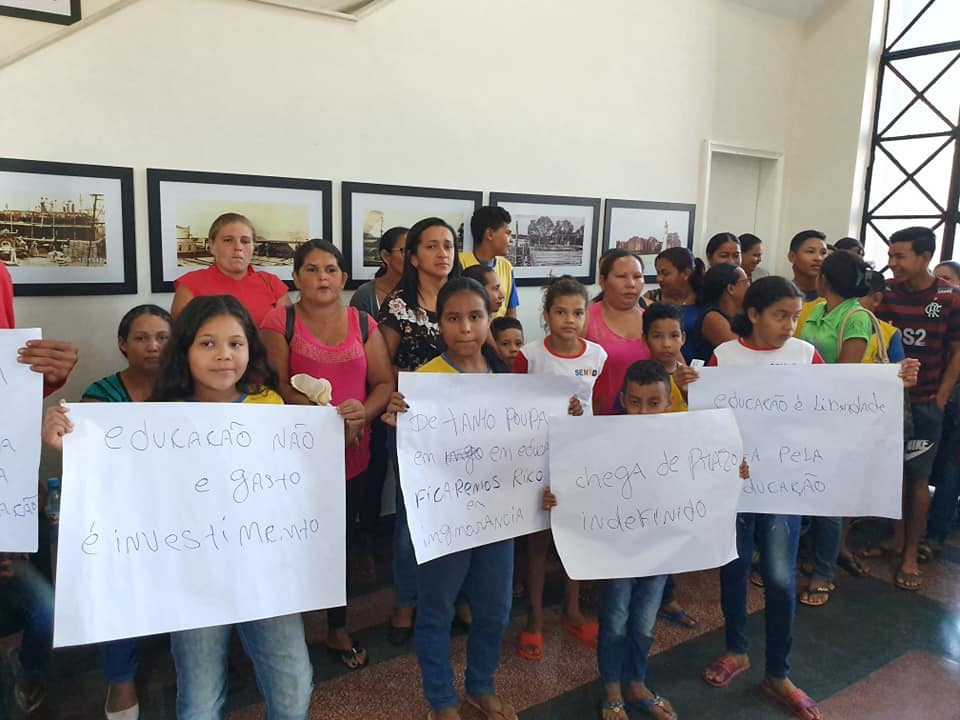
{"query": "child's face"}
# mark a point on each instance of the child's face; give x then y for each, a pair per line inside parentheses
(647, 399)
(320, 278)
(499, 239)
(776, 324)
(494, 291)
(665, 338)
(218, 358)
(464, 324)
(809, 257)
(566, 316)
(509, 343)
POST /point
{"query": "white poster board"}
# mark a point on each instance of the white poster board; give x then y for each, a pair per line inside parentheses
(473, 455)
(185, 515)
(21, 401)
(645, 495)
(819, 439)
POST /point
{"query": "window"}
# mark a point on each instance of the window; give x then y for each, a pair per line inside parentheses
(914, 166)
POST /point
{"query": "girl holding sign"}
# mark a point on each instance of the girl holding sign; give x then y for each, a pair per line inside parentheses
(484, 575)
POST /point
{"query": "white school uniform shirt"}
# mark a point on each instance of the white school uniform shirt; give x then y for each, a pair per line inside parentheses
(585, 366)
(736, 353)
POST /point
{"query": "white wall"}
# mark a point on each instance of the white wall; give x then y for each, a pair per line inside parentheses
(611, 98)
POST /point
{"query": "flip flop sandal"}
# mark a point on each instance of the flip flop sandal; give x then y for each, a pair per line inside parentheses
(798, 703)
(617, 708)
(355, 658)
(679, 617)
(756, 579)
(650, 706)
(852, 565)
(530, 646)
(806, 597)
(902, 581)
(504, 712)
(586, 634)
(724, 669)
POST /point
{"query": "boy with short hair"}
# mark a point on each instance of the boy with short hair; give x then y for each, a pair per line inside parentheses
(926, 310)
(663, 334)
(507, 337)
(490, 227)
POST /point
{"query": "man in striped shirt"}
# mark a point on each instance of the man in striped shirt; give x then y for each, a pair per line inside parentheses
(926, 310)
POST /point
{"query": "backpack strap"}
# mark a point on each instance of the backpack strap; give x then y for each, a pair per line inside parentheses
(882, 356)
(291, 321)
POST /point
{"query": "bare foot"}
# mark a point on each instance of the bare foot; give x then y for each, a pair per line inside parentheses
(402, 617)
(784, 687)
(121, 696)
(715, 676)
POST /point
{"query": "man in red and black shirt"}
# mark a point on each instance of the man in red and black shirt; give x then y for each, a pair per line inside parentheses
(926, 310)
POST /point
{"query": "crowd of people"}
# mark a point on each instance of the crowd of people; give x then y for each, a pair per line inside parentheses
(233, 335)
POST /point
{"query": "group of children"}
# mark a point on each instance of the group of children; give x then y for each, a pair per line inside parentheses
(213, 352)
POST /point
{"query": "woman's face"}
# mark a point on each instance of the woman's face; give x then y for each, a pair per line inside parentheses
(146, 340)
(623, 285)
(739, 288)
(728, 252)
(672, 282)
(434, 255)
(232, 248)
(393, 260)
(808, 258)
(750, 259)
(945, 272)
(320, 278)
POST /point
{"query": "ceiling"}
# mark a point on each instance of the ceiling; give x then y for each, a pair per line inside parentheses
(801, 10)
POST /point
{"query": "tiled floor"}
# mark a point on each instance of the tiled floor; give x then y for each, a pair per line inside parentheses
(873, 652)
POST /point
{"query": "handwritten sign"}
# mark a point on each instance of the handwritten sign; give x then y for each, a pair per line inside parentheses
(819, 439)
(21, 398)
(473, 457)
(645, 495)
(202, 513)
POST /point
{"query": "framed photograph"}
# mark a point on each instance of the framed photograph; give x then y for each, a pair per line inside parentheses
(647, 228)
(67, 229)
(62, 12)
(285, 213)
(552, 235)
(369, 210)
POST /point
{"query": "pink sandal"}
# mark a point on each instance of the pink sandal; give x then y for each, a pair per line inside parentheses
(724, 670)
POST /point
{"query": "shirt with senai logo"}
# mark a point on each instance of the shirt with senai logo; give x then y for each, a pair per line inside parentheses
(929, 321)
(586, 366)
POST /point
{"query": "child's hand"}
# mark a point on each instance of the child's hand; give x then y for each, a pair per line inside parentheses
(909, 371)
(549, 499)
(574, 407)
(684, 375)
(396, 404)
(354, 418)
(744, 469)
(56, 424)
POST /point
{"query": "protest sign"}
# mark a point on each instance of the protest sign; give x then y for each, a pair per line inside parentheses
(645, 495)
(473, 456)
(819, 439)
(21, 397)
(184, 515)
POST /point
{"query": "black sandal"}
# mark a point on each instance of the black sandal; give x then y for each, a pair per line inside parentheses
(852, 565)
(355, 658)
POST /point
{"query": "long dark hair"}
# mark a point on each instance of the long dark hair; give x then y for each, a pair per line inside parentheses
(716, 281)
(682, 259)
(847, 274)
(605, 266)
(175, 382)
(409, 285)
(469, 285)
(761, 295)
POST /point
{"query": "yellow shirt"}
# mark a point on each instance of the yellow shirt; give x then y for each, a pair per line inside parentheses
(677, 403)
(439, 364)
(805, 313)
(263, 396)
(504, 270)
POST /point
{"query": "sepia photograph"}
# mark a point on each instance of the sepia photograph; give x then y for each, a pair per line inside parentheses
(285, 212)
(369, 210)
(551, 236)
(67, 229)
(648, 228)
(61, 12)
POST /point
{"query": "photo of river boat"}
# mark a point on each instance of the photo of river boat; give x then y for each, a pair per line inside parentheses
(49, 231)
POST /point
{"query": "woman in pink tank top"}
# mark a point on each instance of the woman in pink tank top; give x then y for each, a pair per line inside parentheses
(615, 322)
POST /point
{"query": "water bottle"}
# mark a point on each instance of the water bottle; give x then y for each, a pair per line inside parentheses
(52, 511)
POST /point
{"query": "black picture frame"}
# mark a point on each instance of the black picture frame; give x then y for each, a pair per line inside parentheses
(67, 228)
(175, 196)
(624, 221)
(398, 205)
(527, 267)
(43, 15)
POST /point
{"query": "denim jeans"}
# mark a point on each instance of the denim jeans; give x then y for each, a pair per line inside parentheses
(669, 591)
(946, 476)
(280, 662)
(119, 660)
(485, 575)
(827, 534)
(628, 612)
(26, 603)
(778, 537)
(404, 559)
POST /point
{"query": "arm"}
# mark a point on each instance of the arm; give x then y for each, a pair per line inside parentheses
(380, 375)
(716, 329)
(392, 340)
(284, 301)
(513, 302)
(852, 350)
(278, 353)
(181, 297)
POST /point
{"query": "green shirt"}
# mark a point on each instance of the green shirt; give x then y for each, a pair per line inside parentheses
(822, 328)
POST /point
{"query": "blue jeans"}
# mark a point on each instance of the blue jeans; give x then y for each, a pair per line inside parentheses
(485, 575)
(778, 537)
(946, 476)
(827, 534)
(280, 662)
(119, 660)
(628, 612)
(404, 559)
(26, 603)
